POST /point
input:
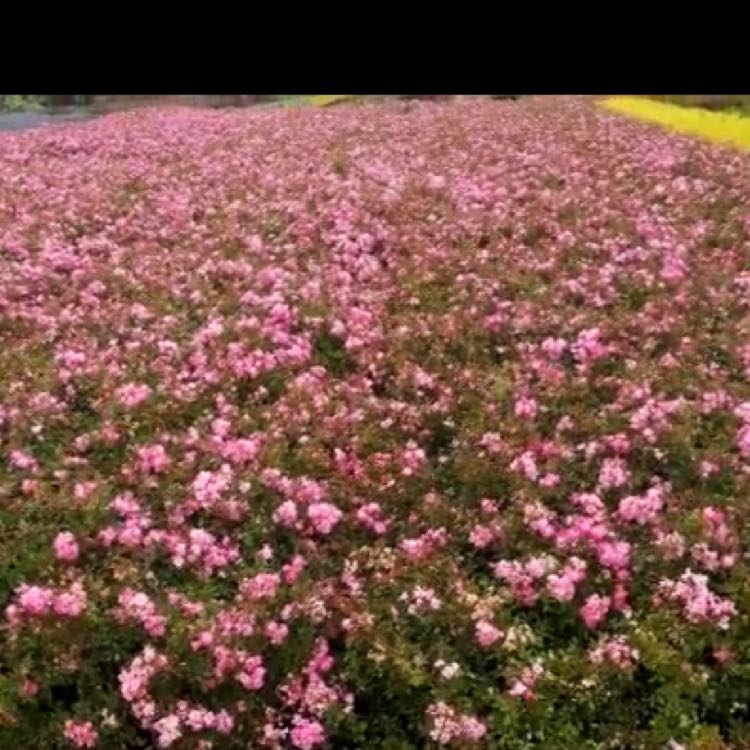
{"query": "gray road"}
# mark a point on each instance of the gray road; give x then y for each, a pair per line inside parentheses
(14, 121)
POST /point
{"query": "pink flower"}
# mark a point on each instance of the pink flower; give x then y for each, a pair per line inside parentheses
(536, 567)
(743, 440)
(554, 348)
(674, 267)
(84, 490)
(415, 549)
(561, 587)
(324, 516)
(723, 655)
(615, 555)
(252, 675)
(276, 632)
(136, 605)
(35, 600)
(260, 586)
(481, 536)
(445, 726)
(595, 610)
(132, 394)
(242, 451)
(472, 729)
(307, 734)
(29, 688)
(22, 460)
(371, 516)
(487, 634)
(80, 733)
(70, 603)
(519, 689)
(153, 459)
(413, 458)
(620, 601)
(197, 719)
(65, 547)
(168, 730)
(293, 569)
(525, 408)
(448, 725)
(286, 514)
(550, 480)
(588, 346)
(29, 486)
(642, 508)
(488, 506)
(565, 423)
(699, 603)
(614, 473)
(615, 650)
(523, 687)
(224, 722)
(492, 443)
(526, 465)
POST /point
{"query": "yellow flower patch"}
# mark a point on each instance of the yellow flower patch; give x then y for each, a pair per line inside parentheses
(718, 127)
(326, 100)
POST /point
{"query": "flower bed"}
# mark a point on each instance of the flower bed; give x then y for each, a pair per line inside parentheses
(374, 428)
(721, 127)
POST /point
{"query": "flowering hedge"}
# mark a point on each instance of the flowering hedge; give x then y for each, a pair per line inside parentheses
(374, 427)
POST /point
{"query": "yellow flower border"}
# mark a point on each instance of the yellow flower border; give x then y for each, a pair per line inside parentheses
(719, 127)
(325, 100)
(315, 100)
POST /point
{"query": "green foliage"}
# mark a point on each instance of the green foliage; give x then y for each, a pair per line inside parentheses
(20, 103)
(329, 352)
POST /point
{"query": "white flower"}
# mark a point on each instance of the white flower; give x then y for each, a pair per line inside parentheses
(447, 671)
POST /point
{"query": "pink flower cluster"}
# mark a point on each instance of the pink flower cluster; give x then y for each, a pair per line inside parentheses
(698, 603)
(615, 650)
(449, 726)
(523, 686)
(138, 606)
(80, 733)
(65, 547)
(35, 602)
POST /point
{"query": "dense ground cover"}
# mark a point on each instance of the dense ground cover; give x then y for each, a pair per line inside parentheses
(374, 427)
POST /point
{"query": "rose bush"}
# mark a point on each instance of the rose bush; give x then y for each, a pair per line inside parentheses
(374, 427)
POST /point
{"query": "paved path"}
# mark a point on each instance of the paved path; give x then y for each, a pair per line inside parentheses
(13, 121)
